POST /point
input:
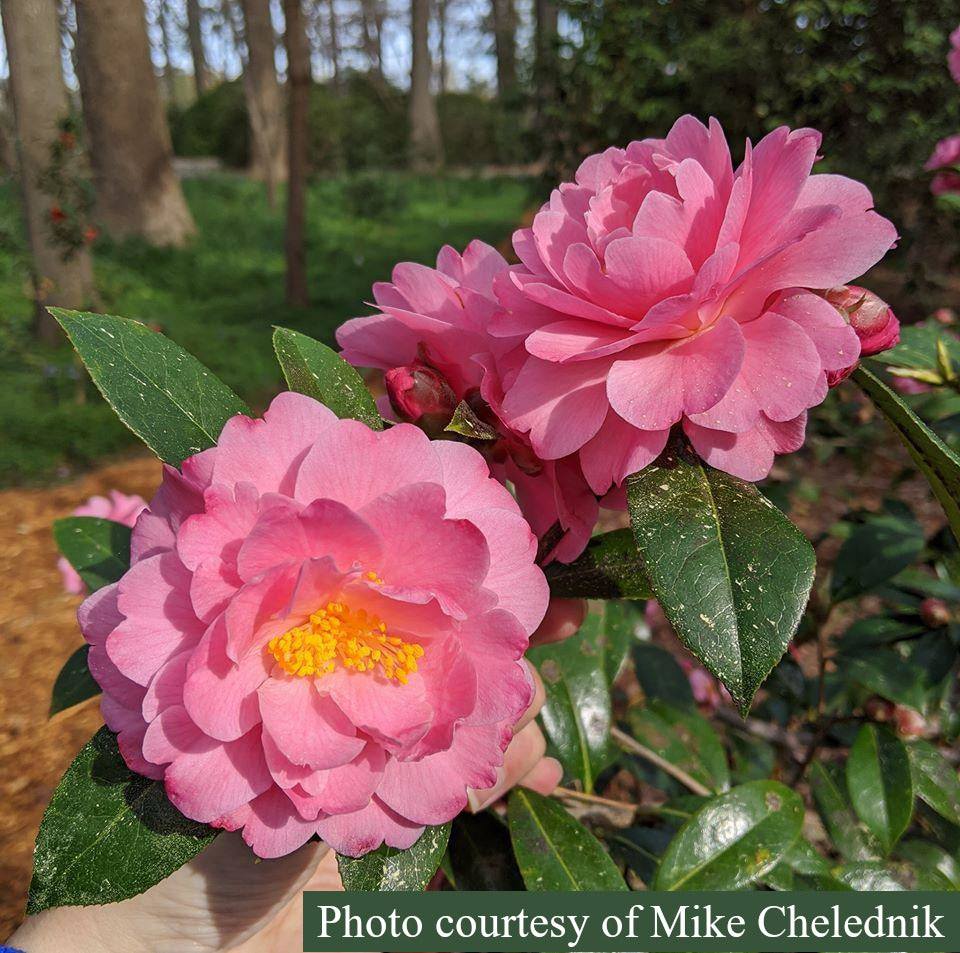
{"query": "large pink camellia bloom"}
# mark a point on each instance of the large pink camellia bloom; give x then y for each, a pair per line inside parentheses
(432, 339)
(321, 631)
(119, 507)
(663, 287)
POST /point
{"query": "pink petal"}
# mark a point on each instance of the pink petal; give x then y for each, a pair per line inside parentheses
(307, 727)
(273, 828)
(356, 834)
(618, 450)
(837, 343)
(170, 735)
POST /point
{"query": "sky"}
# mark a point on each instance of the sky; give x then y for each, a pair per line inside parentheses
(469, 46)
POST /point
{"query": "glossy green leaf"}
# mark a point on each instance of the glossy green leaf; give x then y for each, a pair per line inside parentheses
(868, 875)
(577, 713)
(316, 370)
(609, 568)
(933, 868)
(733, 840)
(98, 549)
(74, 684)
(163, 394)
(919, 345)
(554, 850)
(880, 784)
(803, 868)
(938, 463)
(108, 834)
(481, 855)
(660, 675)
(388, 868)
(684, 738)
(730, 571)
(620, 621)
(851, 838)
(874, 553)
(935, 780)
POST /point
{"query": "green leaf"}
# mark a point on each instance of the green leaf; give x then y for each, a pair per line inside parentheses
(620, 621)
(316, 370)
(609, 568)
(937, 869)
(919, 346)
(852, 840)
(577, 713)
(880, 784)
(108, 834)
(388, 868)
(74, 684)
(733, 840)
(684, 738)
(466, 423)
(938, 463)
(577, 674)
(867, 875)
(163, 394)
(481, 855)
(660, 675)
(98, 549)
(730, 571)
(554, 850)
(874, 553)
(935, 780)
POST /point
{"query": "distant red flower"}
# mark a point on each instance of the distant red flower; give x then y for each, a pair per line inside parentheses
(57, 214)
(90, 234)
(67, 139)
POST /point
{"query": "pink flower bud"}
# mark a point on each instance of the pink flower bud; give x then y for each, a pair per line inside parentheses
(910, 723)
(418, 390)
(935, 613)
(871, 317)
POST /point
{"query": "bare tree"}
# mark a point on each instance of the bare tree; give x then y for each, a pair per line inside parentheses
(298, 86)
(442, 6)
(195, 39)
(505, 43)
(426, 147)
(544, 66)
(333, 27)
(371, 37)
(264, 98)
(130, 151)
(32, 34)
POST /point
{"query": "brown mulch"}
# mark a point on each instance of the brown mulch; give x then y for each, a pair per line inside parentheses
(39, 631)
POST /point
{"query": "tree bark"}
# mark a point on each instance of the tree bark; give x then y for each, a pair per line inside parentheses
(40, 102)
(505, 42)
(426, 148)
(130, 151)
(298, 89)
(371, 18)
(442, 51)
(195, 39)
(544, 67)
(169, 76)
(264, 98)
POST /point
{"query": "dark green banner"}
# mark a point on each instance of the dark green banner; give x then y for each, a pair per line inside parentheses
(762, 922)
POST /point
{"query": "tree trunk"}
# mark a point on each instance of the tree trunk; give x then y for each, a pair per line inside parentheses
(298, 84)
(442, 51)
(195, 39)
(334, 25)
(371, 19)
(60, 277)
(169, 75)
(544, 66)
(130, 151)
(264, 98)
(426, 148)
(505, 42)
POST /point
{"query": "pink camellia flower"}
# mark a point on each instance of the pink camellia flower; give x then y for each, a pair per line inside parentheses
(118, 507)
(663, 287)
(953, 57)
(870, 317)
(943, 160)
(431, 337)
(321, 632)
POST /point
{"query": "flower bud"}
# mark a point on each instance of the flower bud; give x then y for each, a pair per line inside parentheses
(871, 317)
(417, 390)
(935, 613)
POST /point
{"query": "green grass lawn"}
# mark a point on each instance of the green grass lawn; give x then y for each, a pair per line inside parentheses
(220, 296)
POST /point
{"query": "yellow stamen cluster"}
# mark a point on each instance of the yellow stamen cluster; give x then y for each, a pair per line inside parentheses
(336, 635)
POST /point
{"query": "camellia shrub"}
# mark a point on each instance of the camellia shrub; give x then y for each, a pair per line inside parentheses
(319, 625)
